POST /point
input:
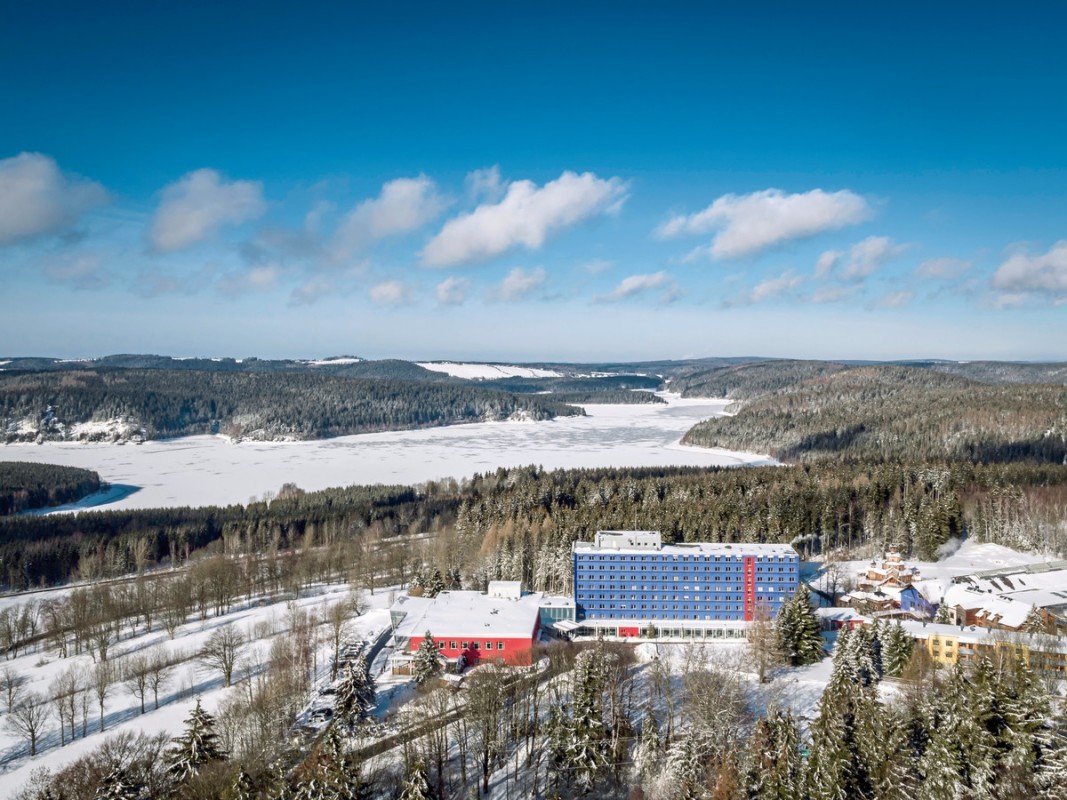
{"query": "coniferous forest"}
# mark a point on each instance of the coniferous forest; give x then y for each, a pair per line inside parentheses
(166, 403)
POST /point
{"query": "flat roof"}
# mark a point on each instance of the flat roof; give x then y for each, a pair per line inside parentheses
(694, 548)
(470, 615)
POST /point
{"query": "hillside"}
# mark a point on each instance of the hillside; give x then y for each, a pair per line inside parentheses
(158, 403)
(897, 413)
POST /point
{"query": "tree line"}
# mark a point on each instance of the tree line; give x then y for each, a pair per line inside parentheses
(25, 485)
(519, 524)
(304, 405)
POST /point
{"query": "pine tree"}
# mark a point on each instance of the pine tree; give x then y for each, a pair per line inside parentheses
(342, 776)
(649, 749)
(943, 615)
(798, 630)
(897, 649)
(196, 747)
(356, 693)
(844, 735)
(774, 767)
(426, 664)
(687, 766)
(243, 787)
(1035, 622)
(435, 585)
(586, 731)
(117, 785)
(417, 786)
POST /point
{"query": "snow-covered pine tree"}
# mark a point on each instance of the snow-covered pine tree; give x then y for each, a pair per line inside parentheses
(356, 693)
(435, 585)
(897, 647)
(243, 787)
(1052, 770)
(943, 616)
(417, 786)
(587, 731)
(687, 766)
(117, 785)
(1026, 735)
(775, 769)
(199, 745)
(844, 735)
(1035, 622)
(798, 630)
(342, 775)
(649, 749)
(426, 664)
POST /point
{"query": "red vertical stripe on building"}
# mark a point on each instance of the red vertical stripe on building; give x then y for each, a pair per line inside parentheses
(750, 588)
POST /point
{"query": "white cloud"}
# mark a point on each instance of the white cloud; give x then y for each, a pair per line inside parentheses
(485, 184)
(526, 216)
(518, 284)
(1044, 274)
(748, 224)
(942, 268)
(598, 265)
(634, 284)
(199, 204)
(389, 293)
(832, 294)
(257, 279)
(896, 299)
(773, 287)
(867, 256)
(826, 263)
(403, 205)
(80, 270)
(37, 198)
(452, 291)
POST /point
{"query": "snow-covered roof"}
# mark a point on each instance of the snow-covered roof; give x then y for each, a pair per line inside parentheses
(974, 634)
(466, 614)
(634, 542)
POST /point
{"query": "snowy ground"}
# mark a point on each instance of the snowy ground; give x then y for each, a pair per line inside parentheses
(474, 372)
(190, 680)
(934, 577)
(208, 470)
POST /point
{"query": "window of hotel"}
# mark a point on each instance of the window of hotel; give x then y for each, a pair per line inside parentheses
(466, 645)
(451, 645)
(476, 646)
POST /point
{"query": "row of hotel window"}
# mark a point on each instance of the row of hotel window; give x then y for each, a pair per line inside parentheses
(660, 607)
(694, 558)
(685, 587)
(672, 568)
(760, 595)
(670, 615)
(470, 646)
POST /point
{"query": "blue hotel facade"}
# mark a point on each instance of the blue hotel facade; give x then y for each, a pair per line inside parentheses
(626, 582)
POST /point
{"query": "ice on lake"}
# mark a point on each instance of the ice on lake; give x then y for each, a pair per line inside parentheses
(210, 470)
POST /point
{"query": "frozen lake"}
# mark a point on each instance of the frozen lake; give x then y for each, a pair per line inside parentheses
(210, 470)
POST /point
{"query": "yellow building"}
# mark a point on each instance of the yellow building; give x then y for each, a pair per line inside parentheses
(951, 644)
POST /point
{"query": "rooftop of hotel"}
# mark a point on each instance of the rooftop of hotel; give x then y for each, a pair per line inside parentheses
(642, 542)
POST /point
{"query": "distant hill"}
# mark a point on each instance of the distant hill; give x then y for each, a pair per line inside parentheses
(121, 404)
(892, 413)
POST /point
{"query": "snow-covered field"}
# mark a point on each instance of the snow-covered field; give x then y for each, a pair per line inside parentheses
(190, 680)
(208, 470)
(474, 372)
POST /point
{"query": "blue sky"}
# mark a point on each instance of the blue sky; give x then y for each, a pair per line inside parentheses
(553, 182)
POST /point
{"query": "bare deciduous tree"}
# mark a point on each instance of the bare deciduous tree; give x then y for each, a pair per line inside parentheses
(222, 650)
(28, 718)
